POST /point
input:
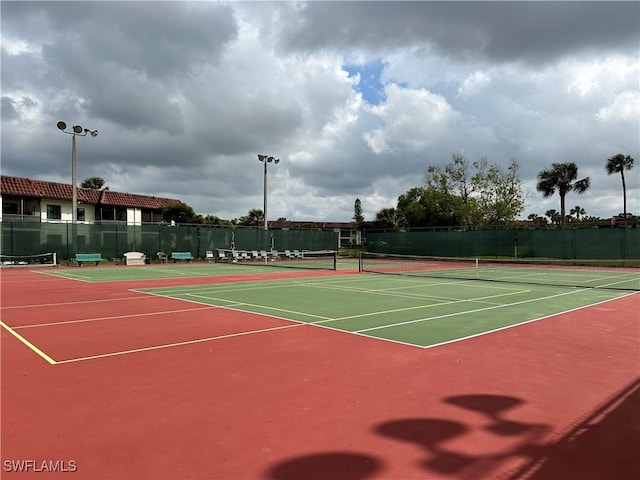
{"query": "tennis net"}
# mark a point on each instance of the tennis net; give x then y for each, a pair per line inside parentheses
(303, 259)
(37, 260)
(610, 274)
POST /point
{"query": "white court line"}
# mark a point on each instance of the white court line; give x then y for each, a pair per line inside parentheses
(79, 302)
(506, 327)
(131, 315)
(476, 310)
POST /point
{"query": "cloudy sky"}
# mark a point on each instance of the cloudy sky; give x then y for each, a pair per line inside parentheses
(356, 99)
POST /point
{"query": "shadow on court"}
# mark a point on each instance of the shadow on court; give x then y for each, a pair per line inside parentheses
(603, 445)
(326, 466)
(433, 436)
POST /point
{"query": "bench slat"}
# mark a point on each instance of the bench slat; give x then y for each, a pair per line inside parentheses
(181, 256)
(88, 257)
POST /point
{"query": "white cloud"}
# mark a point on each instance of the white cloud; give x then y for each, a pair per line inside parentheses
(185, 97)
(624, 106)
(473, 84)
(413, 118)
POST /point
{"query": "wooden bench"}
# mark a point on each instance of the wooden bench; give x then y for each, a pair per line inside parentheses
(181, 256)
(88, 257)
(135, 258)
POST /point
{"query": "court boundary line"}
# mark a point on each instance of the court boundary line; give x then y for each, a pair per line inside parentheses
(79, 302)
(28, 344)
(323, 319)
(64, 277)
(484, 309)
(177, 344)
(98, 319)
(261, 268)
(292, 323)
(506, 327)
(72, 276)
(363, 334)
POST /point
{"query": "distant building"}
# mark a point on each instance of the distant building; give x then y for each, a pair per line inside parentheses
(27, 200)
(349, 233)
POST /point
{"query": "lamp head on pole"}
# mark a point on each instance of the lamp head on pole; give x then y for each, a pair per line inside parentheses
(268, 159)
(76, 130)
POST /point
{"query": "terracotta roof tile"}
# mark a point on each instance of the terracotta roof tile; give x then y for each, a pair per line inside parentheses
(134, 200)
(18, 186)
(27, 187)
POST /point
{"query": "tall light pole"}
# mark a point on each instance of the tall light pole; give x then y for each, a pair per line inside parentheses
(266, 159)
(78, 131)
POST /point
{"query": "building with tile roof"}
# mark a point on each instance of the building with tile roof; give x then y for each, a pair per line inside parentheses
(25, 199)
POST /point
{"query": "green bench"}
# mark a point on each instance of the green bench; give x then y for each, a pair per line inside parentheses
(88, 257)
(181, 256)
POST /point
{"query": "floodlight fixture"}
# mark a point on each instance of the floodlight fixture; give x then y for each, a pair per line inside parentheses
(78, 131)
(266, 159)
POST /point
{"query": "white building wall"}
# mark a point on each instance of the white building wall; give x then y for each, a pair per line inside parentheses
(66, 209)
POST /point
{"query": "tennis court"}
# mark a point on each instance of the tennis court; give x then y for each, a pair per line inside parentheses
(259, 371)
(421, 312)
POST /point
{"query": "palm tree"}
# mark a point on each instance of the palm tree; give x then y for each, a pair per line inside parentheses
(253, 218)
(390, 218)
(577, 211)
(94, 183)
(561, 177)
(554, 216)
(618, 164)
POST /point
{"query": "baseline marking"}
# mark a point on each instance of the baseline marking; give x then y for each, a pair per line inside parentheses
(323, 319)
(38, 305)
(177, 344)
(131, 315)
(391, 325)
(29, 345)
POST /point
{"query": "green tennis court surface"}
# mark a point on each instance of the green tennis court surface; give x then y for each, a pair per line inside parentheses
(109, 273)
(416, 311)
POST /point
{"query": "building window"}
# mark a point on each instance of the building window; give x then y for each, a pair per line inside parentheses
(121, 214)
(80, 213)
(10, 208)
(54, 212)
(106, 213)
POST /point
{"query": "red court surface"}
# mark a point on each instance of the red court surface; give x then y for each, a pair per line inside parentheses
(153, 388)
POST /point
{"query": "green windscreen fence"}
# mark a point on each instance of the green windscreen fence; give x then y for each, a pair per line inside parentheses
(113, 240)
(594, 243)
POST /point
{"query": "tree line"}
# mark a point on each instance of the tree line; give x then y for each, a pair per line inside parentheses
(470, 195)
(476, 195)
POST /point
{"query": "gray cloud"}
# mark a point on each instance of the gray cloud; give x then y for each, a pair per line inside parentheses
(529, 32)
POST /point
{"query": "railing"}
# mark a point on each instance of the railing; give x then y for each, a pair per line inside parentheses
(13, 217)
